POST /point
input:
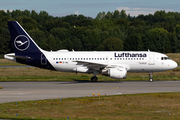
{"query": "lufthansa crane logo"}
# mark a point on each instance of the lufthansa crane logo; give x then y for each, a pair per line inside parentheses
(21, 42)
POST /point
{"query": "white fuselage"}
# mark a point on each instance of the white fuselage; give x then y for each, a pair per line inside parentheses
(135, 61)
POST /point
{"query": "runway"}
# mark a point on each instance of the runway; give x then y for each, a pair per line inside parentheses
(24, 91)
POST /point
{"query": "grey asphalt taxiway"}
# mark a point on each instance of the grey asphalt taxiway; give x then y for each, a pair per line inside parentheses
(24, 91)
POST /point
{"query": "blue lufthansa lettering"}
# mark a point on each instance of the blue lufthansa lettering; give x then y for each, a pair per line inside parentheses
(130, 55)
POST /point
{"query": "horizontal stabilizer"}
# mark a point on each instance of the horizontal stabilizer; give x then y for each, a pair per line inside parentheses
(13, 57)
(19, 57)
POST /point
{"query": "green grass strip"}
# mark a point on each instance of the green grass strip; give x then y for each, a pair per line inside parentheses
(135, 106)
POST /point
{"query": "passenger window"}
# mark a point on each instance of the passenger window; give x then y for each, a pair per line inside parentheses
(64, 58)
(53, 58)
(100, 58)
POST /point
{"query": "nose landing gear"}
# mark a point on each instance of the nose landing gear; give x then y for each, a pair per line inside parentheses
(150, 77)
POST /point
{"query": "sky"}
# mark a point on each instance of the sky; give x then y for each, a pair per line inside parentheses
(91, 8)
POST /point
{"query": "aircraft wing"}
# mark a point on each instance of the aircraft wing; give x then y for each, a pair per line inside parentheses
(100, 66)
(92, 65)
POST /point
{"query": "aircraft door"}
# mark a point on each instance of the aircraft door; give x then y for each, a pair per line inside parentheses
(43, 60)
(151, 59)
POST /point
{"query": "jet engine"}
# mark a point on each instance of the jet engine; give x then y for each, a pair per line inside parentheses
(116, 73)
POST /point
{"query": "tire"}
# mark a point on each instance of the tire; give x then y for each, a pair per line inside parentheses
(94, 79)
(150, 80)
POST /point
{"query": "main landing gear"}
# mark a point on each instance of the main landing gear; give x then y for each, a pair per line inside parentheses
(94, 78)
(150, 77)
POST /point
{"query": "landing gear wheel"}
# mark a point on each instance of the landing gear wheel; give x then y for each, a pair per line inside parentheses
(94, 79)
(150, 80)
(150, 77)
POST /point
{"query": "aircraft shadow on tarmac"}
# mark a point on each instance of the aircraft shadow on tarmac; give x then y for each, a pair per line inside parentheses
(88, 81)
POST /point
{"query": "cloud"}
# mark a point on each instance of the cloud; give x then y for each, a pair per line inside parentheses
(136, 8)
(123, 8)
(77, 13)
(6, 10)
(136, 13)
(139, 11)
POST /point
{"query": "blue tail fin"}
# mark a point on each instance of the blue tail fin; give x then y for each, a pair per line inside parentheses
(22, 42)
(26, 50)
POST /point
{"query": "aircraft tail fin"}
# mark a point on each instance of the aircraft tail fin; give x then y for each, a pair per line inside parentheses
(21, 40)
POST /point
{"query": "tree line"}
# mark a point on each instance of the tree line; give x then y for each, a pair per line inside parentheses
(111, 31)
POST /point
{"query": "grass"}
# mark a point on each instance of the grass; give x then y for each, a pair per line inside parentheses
(1, 87)
(175, 57)
(8, 62)
(138, 106)
(37, 74)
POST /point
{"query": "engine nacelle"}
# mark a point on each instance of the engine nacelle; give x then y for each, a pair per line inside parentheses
(116, 73)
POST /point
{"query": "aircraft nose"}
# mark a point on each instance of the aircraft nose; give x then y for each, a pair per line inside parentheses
(174, 65)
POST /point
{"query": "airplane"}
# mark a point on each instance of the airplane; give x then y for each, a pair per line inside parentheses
(115, 64)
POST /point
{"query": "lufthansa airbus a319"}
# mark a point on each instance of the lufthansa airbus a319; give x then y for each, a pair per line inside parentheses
(115, 64)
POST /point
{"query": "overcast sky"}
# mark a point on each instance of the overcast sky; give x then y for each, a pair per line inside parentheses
(91, 8)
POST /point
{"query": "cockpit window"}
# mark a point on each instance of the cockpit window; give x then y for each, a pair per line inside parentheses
(165, 58)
